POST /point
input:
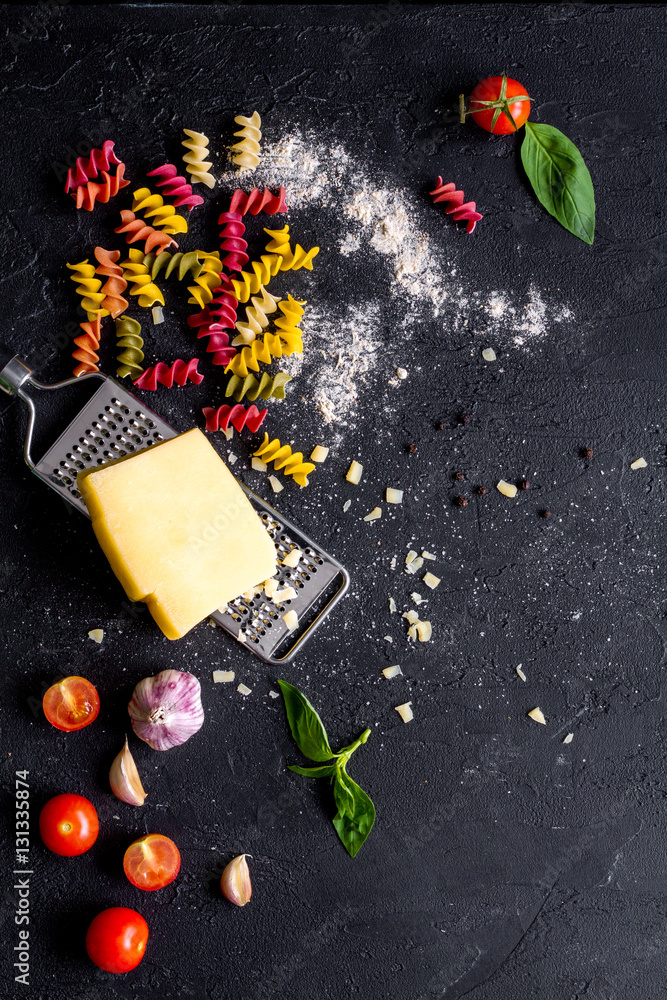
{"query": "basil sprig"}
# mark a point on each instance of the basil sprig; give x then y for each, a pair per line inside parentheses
(560, 178)
(355, 812)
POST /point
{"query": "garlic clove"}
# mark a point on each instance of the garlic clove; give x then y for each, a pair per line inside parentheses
(235, 881)
(166, 709)
(124, 779)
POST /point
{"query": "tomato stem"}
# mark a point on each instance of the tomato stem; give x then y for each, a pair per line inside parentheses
(462, 109)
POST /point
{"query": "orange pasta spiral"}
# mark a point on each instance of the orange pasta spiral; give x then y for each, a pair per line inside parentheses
(115, 284)
(87, 346)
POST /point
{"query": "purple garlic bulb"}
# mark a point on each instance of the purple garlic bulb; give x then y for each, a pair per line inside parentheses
(166, 710)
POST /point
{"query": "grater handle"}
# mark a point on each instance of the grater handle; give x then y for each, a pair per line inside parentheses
(13, 371)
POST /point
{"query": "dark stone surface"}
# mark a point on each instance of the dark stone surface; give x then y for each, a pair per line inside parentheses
(503, 864)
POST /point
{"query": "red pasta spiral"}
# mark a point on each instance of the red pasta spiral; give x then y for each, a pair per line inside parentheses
(258, 201)
(162, 374)
(88, 168)
(137, 229)
(458, 210)
(218, 344)
(87, 346)
(175, 186)
(221, 309)
(86, 195)
(237, 416)
(233, 243)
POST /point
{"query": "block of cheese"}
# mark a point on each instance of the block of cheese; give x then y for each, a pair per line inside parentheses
(178, 530)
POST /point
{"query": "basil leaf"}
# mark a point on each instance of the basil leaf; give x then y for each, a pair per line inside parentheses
(560, 178)
(356, 813)
(307, 728)
(313, 772)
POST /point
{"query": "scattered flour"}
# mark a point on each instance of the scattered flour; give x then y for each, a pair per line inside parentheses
(366, 221)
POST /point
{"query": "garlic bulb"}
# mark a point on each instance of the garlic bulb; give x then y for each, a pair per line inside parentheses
(124, 779)
(235, 881)
(166, 710)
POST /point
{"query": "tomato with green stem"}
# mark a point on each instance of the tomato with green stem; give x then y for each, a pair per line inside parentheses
(151, 862)
(69, 825)
(499, 105)
(71, 704)
(116, 939)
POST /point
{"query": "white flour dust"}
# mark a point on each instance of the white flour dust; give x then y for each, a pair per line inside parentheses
(368, 224)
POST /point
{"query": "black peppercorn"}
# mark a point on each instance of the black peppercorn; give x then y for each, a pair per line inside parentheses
(481, 490)
(460, 501)
(459, 476)
(412, 448)
(524, 484)
(545, 513)
(587, 452)
(464, 418)
(441, 425)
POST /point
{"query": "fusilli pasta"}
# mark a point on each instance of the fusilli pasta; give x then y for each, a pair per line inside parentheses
(237, 416)
(87, 195)
(459, 211)
(266, 387)
(115, 284)
(233, 244)
(258, 201)
(136, 229)
(263, 270)
(179, 372)
(218, 343)
(249, 358)
(152, 207)
(175, 187)
(182, 263)
(207, 280)
(137, 273)
(87, 346)
(88, 287)
(195, 158)
(88, 168)
(282, 456)
(256, 318)
(245, 154)
(129, 339)
(279, 244)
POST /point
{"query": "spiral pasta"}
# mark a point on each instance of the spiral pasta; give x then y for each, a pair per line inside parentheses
(115, 284)
(459, 211)
(279, 244)
(245, 154)
(233, 244)
(282, 456)
(87, 346)
(237, 416)
(152, 207)
(258, 201)
(182, 263)
(137, 273)
(175, 187)
(88, 287)
(88, 168)
(266, 387)
(292, 314)
(207, 280)
(128, 338)
(136, 229)
(87, 195)
(218, 343)
(284, 344)
(249, 358)
(195, 160)
(179, 372)
(263, 270)
(257, 317)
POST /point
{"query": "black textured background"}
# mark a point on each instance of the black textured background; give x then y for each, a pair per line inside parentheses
(503, 864)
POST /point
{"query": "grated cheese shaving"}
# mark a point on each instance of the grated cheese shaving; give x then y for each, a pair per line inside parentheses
(418, 599)
(415, 565)
(405, 711)
(319, 453)
(521, 673)
(412, 631)
(96, 634)
(232, 458)
(274, 694)
(354, 473)
(258, 465)
(287, 594)
(244, 690)
(229, 433)
(411, 556)
(489, 354)
(158, 315)
(537, 715)
(411, 616)
(374, 515)
(569, 738)
(639, 463)
(390, 672)
(507, 489)
(347, 505)
(292, 558)
(427, 555)
(392, 564)
(394, 496)
(392, 606)
(276, 485)
(291, 619)
(270, 587)
(424, 631)
(223, 676)
(430, 580)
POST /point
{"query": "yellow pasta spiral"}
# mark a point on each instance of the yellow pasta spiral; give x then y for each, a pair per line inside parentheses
(137, 274)
(256, 317)
(195, 160)
(266, 387)
(279, 243)
(282, 456)
(249, 357)
(154, 208)
(245, 154)
(207, 280)
(128, 338)
(284, 343)
(88, 287)
(263, 270)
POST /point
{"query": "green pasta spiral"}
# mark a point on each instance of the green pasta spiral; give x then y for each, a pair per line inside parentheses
(128, 337)
(183, 263)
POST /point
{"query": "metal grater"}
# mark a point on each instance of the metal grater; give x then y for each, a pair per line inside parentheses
(112, 423)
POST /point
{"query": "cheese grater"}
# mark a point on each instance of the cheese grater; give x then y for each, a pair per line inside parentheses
(103, 421)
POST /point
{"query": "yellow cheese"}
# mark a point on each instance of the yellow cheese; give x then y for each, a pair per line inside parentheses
(178, 530)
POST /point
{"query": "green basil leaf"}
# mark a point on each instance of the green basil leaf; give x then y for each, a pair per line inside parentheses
(356, 813)
(560, 178)
(313, 772)
(307, 727)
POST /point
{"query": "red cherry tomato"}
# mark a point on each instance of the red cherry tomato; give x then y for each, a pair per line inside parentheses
(151, 862)
(71, 704)
(69, 825)
(116, 939)
(490, 92)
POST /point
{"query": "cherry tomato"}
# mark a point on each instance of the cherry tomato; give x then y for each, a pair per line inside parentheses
(489, 95)
(69, 825)
(116, 939)
(151, 862)
(71, 704)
